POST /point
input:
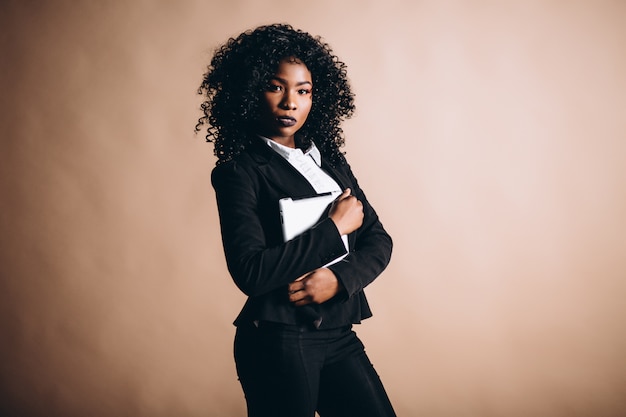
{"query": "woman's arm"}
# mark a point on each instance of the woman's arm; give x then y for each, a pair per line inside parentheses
(256, 266)
(365, 262)
(372, 248)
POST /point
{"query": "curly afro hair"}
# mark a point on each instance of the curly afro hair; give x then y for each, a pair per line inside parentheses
(240, 71)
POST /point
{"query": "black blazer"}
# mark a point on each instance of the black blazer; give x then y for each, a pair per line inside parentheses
(247, 190)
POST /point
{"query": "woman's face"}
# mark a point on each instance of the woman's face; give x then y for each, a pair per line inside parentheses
(286, 102)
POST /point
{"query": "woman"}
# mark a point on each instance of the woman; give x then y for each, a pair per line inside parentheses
(275, 97)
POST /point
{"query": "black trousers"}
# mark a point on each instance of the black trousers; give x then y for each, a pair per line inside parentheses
(289, 371)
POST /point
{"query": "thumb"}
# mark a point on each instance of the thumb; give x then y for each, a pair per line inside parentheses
(346, 193)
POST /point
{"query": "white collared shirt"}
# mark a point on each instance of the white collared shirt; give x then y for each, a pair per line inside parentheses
(308, 164)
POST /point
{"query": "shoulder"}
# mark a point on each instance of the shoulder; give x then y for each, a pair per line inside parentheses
(245, 166)
(237, 167)
(254, 153)
(337, 161)
(338, 164)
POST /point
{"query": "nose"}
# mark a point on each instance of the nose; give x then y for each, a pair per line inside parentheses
(288, 103)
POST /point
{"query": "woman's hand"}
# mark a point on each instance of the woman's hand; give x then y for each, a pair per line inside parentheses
(315, 287)
(347, 213)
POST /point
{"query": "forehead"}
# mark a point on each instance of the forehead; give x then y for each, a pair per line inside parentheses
(293, 70)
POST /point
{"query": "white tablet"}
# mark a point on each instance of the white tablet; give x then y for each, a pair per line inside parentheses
(300, 214)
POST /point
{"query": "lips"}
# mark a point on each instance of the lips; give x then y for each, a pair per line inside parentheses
(286, 121)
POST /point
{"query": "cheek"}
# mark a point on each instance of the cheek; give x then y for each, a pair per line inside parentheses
(266, 101)
(266, 107)
(308, 105)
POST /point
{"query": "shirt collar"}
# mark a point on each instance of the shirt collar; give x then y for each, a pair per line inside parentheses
(291, 153)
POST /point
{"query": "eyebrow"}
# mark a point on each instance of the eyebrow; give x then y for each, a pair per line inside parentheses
(282, 80)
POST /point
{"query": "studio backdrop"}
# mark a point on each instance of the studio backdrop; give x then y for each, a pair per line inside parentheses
(489, 136)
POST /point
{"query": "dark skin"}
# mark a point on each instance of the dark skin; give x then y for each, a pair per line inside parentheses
(290, 95)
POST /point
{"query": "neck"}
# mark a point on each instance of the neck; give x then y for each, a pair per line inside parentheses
(288, 141)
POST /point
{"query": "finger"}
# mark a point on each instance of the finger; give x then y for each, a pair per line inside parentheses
(302, 302)
(299, 297)
(301, 277)
(346, 193)
(295, 297)
(295, 286)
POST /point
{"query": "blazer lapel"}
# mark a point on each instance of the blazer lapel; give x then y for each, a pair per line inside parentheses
(280, 172)
(285, 177)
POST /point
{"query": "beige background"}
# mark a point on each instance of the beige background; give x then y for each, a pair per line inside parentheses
(490, 136)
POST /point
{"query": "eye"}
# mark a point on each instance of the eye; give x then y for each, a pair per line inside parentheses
(274, 87)
(304, 91)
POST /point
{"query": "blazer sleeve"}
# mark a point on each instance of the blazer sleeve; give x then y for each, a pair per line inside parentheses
(371, 251)
(257, 258)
